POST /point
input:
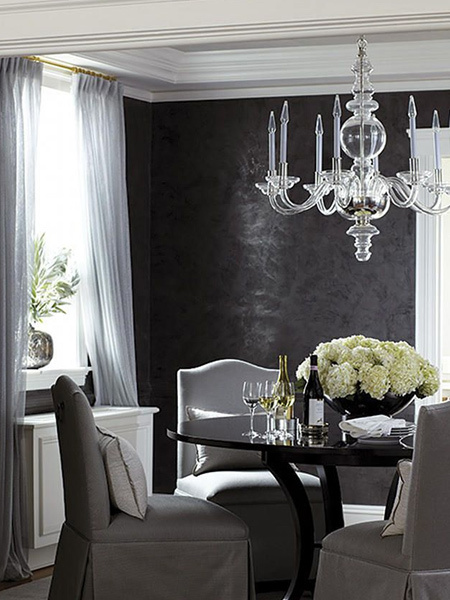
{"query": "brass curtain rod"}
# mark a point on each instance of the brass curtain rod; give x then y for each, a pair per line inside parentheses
(70, 68)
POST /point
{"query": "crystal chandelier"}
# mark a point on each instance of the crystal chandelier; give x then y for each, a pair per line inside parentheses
(360, 194)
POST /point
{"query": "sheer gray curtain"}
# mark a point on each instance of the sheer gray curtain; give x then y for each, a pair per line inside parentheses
(106, 294)
(20, 88)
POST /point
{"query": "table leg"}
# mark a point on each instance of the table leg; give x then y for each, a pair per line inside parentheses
(303, 521)
(332, 502)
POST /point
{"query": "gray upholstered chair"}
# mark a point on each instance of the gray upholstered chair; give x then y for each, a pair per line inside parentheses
(356, 562)
(240, 483)
(185, 548)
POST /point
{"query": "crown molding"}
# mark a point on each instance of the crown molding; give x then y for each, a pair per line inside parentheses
(325, 89)
(174, 75)
(46, 5)
(159, 64)
(66, 26)
(137, 94)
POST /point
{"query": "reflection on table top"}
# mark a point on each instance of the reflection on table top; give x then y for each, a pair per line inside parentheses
(336, 449)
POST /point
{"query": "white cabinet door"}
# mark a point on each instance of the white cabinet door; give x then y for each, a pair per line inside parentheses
(45, 491)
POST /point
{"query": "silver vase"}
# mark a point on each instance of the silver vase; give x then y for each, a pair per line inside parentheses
(40, 348)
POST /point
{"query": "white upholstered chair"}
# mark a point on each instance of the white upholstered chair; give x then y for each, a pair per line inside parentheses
(357, 562)
(237, 479)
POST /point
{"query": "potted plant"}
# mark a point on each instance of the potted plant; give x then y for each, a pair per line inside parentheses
(365, 376)
(51, 287)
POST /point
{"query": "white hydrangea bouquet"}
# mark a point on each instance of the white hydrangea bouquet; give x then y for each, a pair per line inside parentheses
(349, 366)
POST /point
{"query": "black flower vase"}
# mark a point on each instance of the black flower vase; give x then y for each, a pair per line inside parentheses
(363, 405)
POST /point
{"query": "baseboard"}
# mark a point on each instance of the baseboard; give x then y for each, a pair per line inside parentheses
(41, 557)
(359, 513)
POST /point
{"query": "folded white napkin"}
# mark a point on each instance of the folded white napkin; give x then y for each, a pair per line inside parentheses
(375, 426)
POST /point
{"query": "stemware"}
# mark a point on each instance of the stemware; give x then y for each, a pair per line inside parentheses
(250, 397)
(284, 394)
(268, 403)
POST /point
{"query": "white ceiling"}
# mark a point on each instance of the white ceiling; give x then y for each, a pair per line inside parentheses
(166, 50)
(407, 61)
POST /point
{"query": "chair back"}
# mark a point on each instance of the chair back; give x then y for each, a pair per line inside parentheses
(214, 386)
(86, 496)
(427, 531)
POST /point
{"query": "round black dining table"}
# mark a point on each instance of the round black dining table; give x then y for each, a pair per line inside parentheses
(279, 457)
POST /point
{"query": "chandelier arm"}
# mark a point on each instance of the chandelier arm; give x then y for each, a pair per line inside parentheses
(430, 210)
(344, 199)
(397, 186)
(280, 209)
(324, 210)
(436, 206)
(402, 195)
(321, 190)
(296, 208)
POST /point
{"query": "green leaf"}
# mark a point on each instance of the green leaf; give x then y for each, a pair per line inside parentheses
(51, 284)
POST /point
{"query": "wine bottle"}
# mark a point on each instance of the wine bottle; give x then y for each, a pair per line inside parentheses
(283, 389)
(313, 415)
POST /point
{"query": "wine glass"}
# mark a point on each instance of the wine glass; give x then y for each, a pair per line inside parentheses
(250, 398)
(268, 403)
(284, 394)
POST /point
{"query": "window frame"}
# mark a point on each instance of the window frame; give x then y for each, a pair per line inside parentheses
(429, 275)
(44, 378)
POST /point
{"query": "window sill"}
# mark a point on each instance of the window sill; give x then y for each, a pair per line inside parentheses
(43, 379)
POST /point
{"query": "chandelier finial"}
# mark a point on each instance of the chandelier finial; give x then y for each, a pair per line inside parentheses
(412, 110)
(272, 125)
(284, 118)
(337, 111)
(362, 46)
(435, 124)
(319, 125)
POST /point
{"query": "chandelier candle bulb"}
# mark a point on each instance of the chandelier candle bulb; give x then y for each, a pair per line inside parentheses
(272, 129)
(283, 141)
(319, 143)
(337, 112)
(437, 149)
(412, 114)
(376, 166)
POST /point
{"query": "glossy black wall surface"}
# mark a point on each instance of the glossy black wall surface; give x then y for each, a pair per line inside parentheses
(218, 274)
(138, 124)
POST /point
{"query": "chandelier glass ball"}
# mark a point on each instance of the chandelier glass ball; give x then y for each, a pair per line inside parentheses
(363, 137)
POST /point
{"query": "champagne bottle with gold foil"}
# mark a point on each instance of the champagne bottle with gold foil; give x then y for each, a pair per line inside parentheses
(283, 390)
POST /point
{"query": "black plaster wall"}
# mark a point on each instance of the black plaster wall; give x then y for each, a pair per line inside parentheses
(219, 274)
(138, 123)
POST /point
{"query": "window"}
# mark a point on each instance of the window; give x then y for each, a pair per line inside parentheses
(56, 216)
(445, 286)
(433, 272)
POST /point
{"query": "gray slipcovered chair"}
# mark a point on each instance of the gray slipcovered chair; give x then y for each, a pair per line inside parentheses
(184, 548)
(356, 562)
(237, 479)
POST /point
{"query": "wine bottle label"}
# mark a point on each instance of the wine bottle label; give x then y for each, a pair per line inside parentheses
(316, 412)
